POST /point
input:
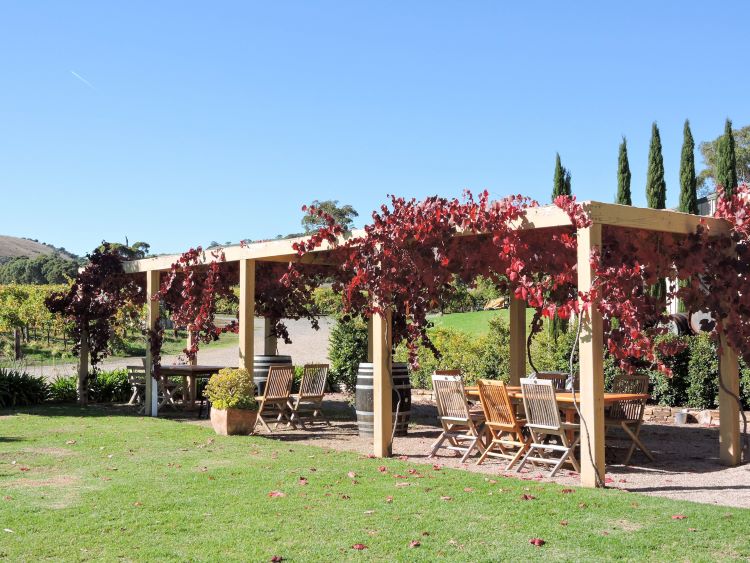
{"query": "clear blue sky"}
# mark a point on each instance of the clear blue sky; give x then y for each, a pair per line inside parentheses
(193, 122)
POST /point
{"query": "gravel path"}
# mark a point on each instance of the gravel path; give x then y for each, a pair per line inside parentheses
(308, 346)
(687, 463)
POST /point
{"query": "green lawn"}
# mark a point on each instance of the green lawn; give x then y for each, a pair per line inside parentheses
(475, 323)
(93, 486)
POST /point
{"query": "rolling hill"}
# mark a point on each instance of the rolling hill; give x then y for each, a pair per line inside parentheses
(12, 247)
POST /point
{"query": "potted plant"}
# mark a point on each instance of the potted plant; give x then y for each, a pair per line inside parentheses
(234, 409)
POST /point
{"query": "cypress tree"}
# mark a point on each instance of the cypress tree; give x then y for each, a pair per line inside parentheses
(623, 176)
(656, 195)
(726, 168)
(688, 194)
(561, 179)
(656, 187)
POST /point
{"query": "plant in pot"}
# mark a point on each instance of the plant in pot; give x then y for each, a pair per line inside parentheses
(234, 409)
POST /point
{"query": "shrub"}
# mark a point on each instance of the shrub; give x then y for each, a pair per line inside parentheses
(110, 386)
(64, 389)
(672, 391)
(703, 373)
(347, 348)
(231, 388)
(19, 389)
(326, 301)
(553, 354)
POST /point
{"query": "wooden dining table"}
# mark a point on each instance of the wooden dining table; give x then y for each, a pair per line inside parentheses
(566, 400)
(190, 375)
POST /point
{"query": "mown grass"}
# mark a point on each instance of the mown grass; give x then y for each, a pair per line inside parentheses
(475, 323)
(92, 485)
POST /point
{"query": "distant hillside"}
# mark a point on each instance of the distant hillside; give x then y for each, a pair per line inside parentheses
(13, 247)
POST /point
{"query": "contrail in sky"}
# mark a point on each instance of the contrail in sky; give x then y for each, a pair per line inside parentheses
(82, 79)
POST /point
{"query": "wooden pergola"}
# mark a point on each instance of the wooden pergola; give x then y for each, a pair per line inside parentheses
(380, 348)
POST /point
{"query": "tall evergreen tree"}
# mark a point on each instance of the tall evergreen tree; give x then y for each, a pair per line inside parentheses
(688, 192)
(623, 176)
(726, 169)
(656, 187)
(561, 179)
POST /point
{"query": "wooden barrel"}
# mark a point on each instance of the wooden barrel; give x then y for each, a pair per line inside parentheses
(261, 365)
(364, 399)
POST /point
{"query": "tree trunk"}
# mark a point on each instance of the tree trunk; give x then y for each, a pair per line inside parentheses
(17, 354)
(83, 370)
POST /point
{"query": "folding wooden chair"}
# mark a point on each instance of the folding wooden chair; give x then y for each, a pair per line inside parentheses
(543, 421)
(275, 398)
(137, 380)
(628, 415)
(169, 391)
(558, 378)
(308, 403)
(504, 430)
(461, 428)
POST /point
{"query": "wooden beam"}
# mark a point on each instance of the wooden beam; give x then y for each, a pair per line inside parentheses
(591, 352)
(662, 220)
(382, 385)
(270, 342)
(730, 448)
(247, 314)
(517, 322)
(82, 386)
(152, 317)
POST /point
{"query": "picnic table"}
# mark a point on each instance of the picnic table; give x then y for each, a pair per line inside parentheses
(190, 375)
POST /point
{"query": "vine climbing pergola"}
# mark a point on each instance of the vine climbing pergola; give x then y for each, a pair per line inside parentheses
(542, 220)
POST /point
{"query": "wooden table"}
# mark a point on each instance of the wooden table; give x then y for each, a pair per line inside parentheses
(190, 374)
(565, 399)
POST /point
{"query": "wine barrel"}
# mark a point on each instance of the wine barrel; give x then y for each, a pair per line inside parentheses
(261, 365)
(364, 399)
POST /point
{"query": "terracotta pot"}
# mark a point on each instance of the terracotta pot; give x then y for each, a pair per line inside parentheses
(233, 422)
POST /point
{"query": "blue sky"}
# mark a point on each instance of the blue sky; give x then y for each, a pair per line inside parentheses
(196, 122)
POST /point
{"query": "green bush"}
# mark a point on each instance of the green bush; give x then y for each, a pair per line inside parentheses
(553, 354)
(703, 373)
(231, 388)
(19, 389)
(110, 386)
(326, 302)
(672, 391)
(487, 357)
(347, 348)
(64, 389)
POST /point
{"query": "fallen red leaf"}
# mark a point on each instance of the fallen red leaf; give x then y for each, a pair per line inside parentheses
(24, 469)
(400, 477)
(678, 517)
(276, 558)
(403, 457)
(563, 522)
(359, 546)
(351, 475)
(537, 542)
(527, 497)
(567, 491)
(468, 490)
(436, 467)
(302, 481)
(389, 499)
(382, 469)
(446, 498)
(415, 543)
(412, 471)
(276, 494)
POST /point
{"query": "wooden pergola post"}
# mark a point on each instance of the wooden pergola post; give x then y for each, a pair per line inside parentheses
(591, 353)
(82, 386)
(152, 318)
(517, 326)
(247, 314)
(382, 328)
(270, 343)
(730, 447)
(370, 339)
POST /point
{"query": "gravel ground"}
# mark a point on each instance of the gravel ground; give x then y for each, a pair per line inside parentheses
(687, 464)
(308, 346)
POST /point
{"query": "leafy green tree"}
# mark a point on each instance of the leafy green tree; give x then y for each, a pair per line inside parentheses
(39, 270)
(656, 187)
(623, 176)
(709, 151)
(561, 179)
(726, 166)
(688, 192)
(127, 251)
(344, 215)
